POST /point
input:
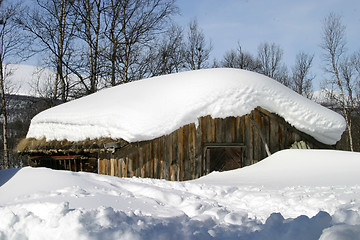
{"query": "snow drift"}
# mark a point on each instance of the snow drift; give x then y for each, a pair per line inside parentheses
(146, 109)
(295, 167)
(39, 203)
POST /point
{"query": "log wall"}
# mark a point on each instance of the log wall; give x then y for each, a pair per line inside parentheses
(180, 155)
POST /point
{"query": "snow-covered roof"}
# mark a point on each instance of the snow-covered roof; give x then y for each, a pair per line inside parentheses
(150, 108)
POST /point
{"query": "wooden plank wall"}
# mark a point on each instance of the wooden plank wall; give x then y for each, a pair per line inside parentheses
(180, 155)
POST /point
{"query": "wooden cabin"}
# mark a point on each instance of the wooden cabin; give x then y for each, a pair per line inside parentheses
(189, 152)
(179, 126)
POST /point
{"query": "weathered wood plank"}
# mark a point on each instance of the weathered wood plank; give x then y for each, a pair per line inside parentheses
(155, 149)
(138, 163)
(185, 153)
(203, 138)
(143, 157)
(274, 136)
(198, 149)
(192, 151)
(151, 159)
(147, 160)
(232, 129)
(219, 130)
(243, 129)
(121, 168)
(181, 149)
(281, 136)
(212, 129)
(289, 139)
(257, 139)
(117, 172)
(249, 140)
(112, 167)
(131, 164)
(104, 166)
(175, 157)
(171, 158)
(266, 130)
(167, 150)
(238, 131)
(99, 162)
(161, 157)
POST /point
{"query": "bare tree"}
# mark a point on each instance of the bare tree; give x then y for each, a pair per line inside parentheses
(240, 59)
(11, 43)
(301, 75)
(269, 56)
(333, 43)
(355, 59)
(168, 56)
(131, 27)
(356, 62)
(269, 59)
(112, 32)
(144, 21)
(197, 51)
(52, 25)
(89, 30)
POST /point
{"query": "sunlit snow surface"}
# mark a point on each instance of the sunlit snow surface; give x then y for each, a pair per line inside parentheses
(294, 194)
(146, 109)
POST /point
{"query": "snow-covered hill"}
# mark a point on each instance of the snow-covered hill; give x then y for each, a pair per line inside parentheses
(25, 79)
(294, 194)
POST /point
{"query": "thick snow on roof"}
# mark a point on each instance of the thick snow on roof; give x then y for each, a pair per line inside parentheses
(150, 108)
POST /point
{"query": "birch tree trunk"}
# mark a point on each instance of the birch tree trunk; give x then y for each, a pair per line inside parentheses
(4, 117)
(333, 42)
(92, 34)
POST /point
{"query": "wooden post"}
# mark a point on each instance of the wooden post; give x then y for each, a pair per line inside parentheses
(207, 161)
(81, 165)
(181, 153)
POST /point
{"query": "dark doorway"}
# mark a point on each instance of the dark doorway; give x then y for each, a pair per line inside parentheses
(224, 158)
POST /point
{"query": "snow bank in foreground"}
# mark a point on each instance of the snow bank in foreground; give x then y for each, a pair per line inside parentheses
(39, 203)
(107, 223)
(150, 108)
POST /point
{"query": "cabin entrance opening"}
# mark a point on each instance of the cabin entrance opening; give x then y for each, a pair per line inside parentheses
(224, 157)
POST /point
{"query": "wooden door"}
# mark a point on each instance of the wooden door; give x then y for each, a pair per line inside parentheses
(225, 158)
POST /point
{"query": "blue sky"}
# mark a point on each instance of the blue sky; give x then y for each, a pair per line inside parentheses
(294, 25)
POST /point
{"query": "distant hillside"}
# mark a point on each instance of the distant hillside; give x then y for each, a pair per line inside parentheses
(21, 109)
(25, 79)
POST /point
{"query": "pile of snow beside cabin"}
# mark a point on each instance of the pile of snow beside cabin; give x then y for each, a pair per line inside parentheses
(150, 108)
(294, 194)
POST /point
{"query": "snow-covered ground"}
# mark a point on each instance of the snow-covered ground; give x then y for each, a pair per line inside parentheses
(294, 194)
